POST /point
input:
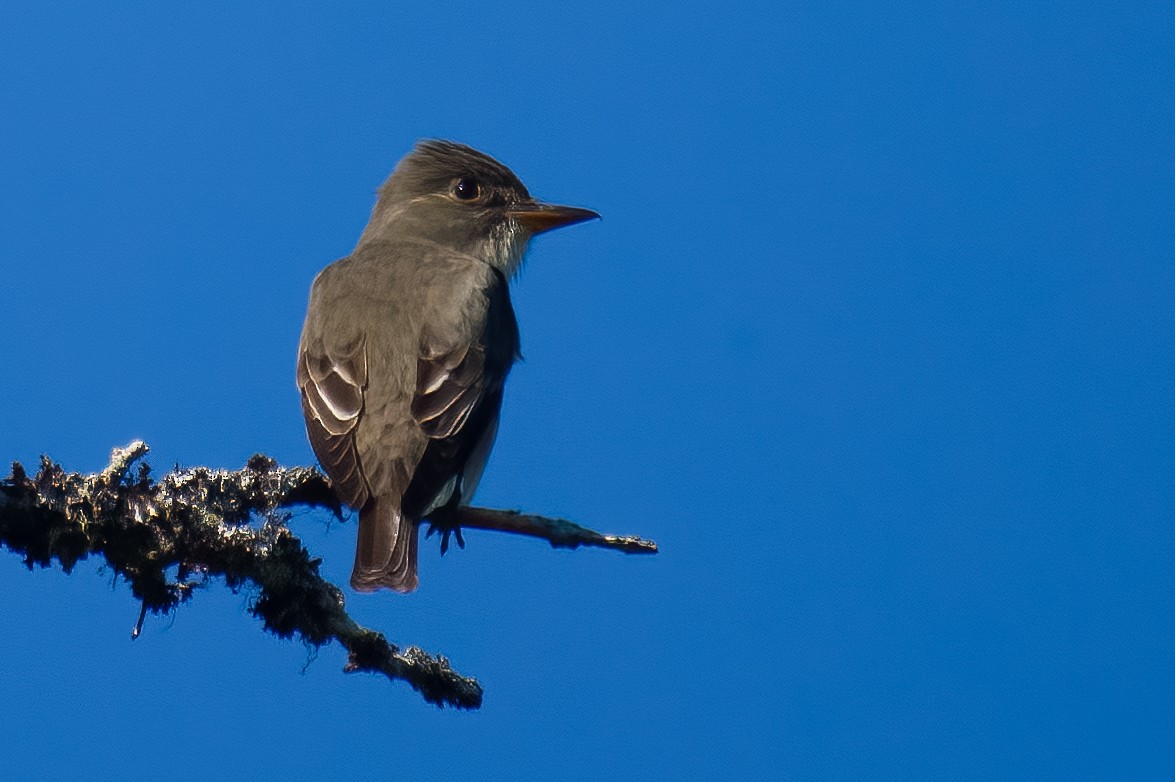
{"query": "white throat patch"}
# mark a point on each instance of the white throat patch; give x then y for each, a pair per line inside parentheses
(506, 246)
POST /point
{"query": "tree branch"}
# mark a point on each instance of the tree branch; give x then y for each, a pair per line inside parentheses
(169, 536)
(559, 532)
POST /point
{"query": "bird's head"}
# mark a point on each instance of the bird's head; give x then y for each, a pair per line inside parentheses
(453, 195)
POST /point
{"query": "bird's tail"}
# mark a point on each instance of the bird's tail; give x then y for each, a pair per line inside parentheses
(385, 554)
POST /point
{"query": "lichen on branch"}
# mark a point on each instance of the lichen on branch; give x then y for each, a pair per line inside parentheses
(167, 536)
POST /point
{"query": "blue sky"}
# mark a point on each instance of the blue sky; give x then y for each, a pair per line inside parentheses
(875, 339)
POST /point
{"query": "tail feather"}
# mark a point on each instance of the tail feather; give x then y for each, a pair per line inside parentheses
(385, 551)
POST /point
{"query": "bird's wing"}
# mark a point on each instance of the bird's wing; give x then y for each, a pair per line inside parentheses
(449, 383)
(459, 381)
(457, 369)
(332, 383)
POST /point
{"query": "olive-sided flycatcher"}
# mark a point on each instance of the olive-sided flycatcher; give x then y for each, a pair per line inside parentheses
(407, 344)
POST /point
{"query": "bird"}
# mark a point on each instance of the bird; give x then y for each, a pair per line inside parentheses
(407, 344)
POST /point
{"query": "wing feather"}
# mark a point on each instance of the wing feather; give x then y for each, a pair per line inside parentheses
(332, 385)
(458, 398)
(448, 387)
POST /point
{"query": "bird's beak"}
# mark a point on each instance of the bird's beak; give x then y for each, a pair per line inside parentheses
(538, 217)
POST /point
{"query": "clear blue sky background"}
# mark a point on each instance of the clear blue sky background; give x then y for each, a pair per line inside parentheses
(875, 339)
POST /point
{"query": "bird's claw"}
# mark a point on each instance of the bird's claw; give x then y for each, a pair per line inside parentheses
(446, 530)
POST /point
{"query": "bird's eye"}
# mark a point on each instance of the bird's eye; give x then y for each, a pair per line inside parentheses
(466, 189)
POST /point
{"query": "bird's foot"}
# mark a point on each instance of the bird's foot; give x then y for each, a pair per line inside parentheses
(445, 529)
